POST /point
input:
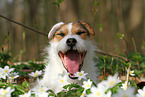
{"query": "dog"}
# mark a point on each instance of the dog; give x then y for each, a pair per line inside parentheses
(71, 50)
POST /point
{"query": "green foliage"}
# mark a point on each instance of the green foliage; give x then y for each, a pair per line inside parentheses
(100, 26)
(71, 90)
(25, 84)
(116, 87)
(112, 65)
(58, 3)
(19, 89)
(32, 66)
(3, 59)
(137, 57)
(121, 36)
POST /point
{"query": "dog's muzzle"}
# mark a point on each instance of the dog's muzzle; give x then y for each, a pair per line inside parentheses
(72, 59)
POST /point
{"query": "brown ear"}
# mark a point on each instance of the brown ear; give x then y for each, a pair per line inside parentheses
(53, 29)
(88, 28)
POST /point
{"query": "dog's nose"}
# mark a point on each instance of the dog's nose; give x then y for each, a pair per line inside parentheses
(71, 42)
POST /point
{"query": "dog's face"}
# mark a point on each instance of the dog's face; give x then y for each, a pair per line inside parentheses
(72, 43)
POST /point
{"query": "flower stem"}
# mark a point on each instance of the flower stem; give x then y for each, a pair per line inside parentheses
(127, 78)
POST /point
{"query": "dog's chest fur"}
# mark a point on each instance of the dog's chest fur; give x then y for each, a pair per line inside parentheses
(69, 38)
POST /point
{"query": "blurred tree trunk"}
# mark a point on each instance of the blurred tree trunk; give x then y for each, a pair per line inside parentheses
(17, 43)
(32, 38)
(33, 10)
(135, 26)
(69, 10)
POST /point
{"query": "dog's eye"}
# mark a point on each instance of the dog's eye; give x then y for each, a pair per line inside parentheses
(61, 34)
(79, 33)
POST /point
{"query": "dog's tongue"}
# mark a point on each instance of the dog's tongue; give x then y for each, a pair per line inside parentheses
(72, 59)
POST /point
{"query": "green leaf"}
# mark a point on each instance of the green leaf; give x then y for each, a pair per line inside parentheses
(143, 65)
(26, 84)
(24, 35)
(88, 91)
(10, 85)
(55, 3)
(20, 88)
(60, 1)
(51, 93)
(121, 36)
(137, 72)
(100, 25)
(3, 84)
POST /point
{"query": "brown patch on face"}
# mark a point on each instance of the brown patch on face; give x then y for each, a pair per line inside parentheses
(60, 33)
(77, 29)
(88, 27)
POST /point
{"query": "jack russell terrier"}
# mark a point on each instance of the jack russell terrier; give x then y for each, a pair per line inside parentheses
(70, 51)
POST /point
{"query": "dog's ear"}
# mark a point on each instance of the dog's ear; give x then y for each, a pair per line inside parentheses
(53, 29)
(88, 28)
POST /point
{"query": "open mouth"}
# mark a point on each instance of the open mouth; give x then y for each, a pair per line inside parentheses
(72, 61)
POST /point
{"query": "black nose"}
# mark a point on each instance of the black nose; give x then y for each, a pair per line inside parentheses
(71, 42)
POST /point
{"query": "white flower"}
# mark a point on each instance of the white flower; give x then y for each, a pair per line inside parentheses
(13, 75)
(44, 94)
(6, 92)
(101, 85)
(4, 72)
(97, 92)
(40, 89)
(130, 72)
(36, 73)
(124, 86)
(26, 94)
(80, 75)
(111, 81)
(128, 93)
(8, 70)
(87, 84)
(62, 79)
(141, 93)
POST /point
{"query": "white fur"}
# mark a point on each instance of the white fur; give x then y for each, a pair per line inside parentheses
(55, 66)
(54, 28)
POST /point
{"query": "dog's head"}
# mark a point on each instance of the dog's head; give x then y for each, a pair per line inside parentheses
(72, 44)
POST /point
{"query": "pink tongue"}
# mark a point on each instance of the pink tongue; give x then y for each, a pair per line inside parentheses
(72, 60)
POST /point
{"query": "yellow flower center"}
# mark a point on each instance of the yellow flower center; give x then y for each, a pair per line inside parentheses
(35, 74)
(80, 74)
(88, 85)
(111, 83)
(5, 70)
(4, 92)
(61, 80)
(143, 94)
(12, 77)
(130, 72)
(41, 90)
(98, 93)
(24, 95)
(82, 94)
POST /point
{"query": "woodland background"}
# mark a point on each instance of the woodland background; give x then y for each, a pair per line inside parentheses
(106, 17)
